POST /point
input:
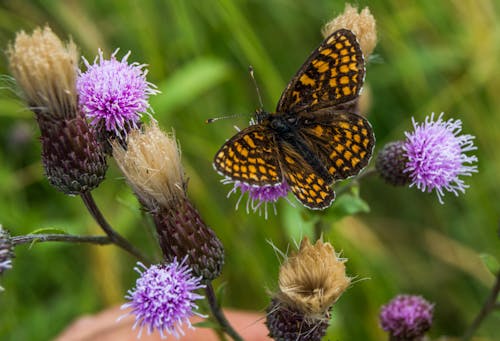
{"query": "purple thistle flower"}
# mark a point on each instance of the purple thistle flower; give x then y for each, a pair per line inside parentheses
(114, 93)
(259, 196)
(435, 153)
(163, 298)
(406, 317)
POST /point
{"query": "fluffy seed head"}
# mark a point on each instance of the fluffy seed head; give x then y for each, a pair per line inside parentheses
(312, 280)
(46, 69)
(361, 24)
(152, 165)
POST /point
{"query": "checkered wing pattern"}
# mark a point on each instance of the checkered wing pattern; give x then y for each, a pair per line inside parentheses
(251, 156)
(333, 75)
(309, 188)
(343, 142)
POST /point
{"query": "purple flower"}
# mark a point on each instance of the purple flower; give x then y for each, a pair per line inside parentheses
(259, 196)
(114, 93)
(163, 298)
(435, 153)
(406, 317)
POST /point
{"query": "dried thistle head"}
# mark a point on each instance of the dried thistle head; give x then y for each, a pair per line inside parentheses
(361, 24)
(152, 165)
(311, 280)
(46, 70)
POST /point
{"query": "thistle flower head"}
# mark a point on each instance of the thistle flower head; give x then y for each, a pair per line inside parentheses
(310, 282)
(361, 24)
(6, 250)
(46, 69)
(313, 279)
(152, 165)
(406, 317)
(436, 156)
(163, 298)
(114, 94)
(259, 196)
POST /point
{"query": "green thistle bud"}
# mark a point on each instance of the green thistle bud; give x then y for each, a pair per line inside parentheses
(73, 159)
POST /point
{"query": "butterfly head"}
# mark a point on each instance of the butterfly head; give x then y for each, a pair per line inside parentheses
(261, 115)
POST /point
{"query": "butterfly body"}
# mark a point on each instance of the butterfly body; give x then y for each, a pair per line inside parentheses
(314, 137)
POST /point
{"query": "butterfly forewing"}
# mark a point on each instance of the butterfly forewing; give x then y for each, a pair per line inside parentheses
(250, 157)
(342, 141)
(331, 76)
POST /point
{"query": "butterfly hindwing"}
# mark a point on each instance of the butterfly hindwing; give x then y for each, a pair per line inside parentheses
(333, 75)
(250, 157)
(307, 186)
(342, 141)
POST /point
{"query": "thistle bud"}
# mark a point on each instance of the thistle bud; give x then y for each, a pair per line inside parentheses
(151, 164)
(391, 164)
(310, 282)
(46, 71)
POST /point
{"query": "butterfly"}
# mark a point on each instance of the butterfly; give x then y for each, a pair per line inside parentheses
(315, 137)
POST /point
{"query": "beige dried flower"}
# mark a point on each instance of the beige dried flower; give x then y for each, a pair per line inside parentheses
(313, 279)
(362, 24)
(46, 70)
(152, 165)
(310, 282)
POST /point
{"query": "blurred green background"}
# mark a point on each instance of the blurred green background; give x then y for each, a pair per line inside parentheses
(432, 56)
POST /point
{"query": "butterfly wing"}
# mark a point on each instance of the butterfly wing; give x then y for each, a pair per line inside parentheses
(332, 76)
(307, 186)
(343, 142)
(250, 156)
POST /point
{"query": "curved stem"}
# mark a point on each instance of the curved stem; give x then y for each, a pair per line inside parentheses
(489, 305)
(29, 238)
(219, 315)
(366, 174)
(112, 234)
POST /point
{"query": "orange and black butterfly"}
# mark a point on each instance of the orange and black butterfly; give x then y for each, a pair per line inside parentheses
(315, 137)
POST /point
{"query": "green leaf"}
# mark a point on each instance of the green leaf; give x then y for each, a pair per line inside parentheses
(298, 222)
(346, 205)
(186, 84)
(491, 262)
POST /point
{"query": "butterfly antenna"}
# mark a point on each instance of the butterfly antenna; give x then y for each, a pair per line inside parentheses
(250, 69)
(210, 120)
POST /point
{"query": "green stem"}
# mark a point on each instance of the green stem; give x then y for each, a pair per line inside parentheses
(29, 238)
(489, 305)
(366, 174)
(112, 234)
(219, 314)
